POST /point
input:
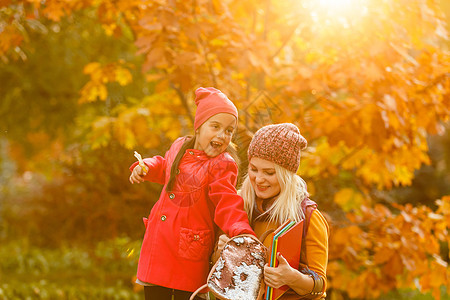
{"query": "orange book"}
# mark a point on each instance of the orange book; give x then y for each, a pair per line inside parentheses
(288, 241)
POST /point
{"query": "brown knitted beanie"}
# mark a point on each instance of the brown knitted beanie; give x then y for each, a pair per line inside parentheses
(280, 144)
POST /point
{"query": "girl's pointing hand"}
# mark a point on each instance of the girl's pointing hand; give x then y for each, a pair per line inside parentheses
(137, 176)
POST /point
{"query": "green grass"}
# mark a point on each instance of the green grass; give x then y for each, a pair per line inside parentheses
(103, 272)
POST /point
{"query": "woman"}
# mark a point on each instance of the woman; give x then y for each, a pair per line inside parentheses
(274, 193)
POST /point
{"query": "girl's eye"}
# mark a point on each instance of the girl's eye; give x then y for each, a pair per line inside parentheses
(253, 170)
(270, 174)
(229, 131)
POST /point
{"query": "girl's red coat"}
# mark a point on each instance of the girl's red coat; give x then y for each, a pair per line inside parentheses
(179, 236)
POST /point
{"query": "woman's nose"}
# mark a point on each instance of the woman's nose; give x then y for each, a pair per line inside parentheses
(259, 179)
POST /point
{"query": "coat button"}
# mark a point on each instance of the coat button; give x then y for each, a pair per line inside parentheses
(191, 152)
(171, 196)
(163, 217)
(196, 237)
(178, 171)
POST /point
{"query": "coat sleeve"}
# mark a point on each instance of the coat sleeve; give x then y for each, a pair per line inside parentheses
(156, 169)
(229, 206)
(317, 245)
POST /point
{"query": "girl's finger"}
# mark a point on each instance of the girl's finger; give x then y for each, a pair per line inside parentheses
(136, 178)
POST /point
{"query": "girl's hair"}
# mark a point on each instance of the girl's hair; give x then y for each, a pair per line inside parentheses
(189, 143)
(287, 205)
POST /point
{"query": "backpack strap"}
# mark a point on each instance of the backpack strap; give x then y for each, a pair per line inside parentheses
(265, 235)
(205, 286)
(308, 206)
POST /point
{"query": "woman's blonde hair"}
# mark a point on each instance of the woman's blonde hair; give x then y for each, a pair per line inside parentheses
(288, 203)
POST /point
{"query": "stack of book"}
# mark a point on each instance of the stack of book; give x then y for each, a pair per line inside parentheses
(287, 240)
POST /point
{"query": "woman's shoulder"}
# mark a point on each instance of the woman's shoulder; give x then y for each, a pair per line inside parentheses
(313, 214)
(318, 220)
(308, 206)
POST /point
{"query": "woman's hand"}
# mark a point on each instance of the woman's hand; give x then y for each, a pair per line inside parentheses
(137, 174)
(281, 275)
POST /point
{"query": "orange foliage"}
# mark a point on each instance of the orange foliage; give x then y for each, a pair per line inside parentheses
(100, 76)
(366, 89)
(381, 250)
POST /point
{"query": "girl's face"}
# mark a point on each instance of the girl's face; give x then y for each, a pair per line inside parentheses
(263, 178)
(215, 134)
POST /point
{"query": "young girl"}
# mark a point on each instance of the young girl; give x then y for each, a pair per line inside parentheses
(199, 177)
(273, 193)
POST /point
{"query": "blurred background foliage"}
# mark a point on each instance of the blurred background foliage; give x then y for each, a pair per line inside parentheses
(85, 83)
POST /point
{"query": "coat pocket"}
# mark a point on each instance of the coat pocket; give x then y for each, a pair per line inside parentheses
(195, 244)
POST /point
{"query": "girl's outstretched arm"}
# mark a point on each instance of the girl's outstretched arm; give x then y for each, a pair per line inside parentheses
(156, 166)
(229, 206)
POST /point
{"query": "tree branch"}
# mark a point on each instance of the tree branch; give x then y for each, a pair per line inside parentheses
(184, 102)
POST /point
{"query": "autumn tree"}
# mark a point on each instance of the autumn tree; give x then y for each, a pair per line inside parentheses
(366, 81)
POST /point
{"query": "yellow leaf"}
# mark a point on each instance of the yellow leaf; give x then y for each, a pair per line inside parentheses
(91, 67)
(109, 28)
(102, 92)
(123, 76)
(348, 199)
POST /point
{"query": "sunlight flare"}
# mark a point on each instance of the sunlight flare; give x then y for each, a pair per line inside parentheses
(337, 5)
(344, 12)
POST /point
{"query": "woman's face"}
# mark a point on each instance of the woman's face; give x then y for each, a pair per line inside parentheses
(215, 134)
(263, 178)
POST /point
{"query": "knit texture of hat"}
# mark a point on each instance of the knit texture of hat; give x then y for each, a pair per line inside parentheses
(280, 144)
(211, 101)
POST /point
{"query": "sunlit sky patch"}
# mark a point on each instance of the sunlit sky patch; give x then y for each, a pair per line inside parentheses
(343, 12)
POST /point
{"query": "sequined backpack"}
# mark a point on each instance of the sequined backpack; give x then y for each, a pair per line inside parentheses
(239, 271)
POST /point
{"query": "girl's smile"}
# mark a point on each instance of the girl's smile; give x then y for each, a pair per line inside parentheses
(214, 136)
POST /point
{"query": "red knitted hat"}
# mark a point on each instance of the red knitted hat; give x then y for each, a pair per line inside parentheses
(211, 101)
(280, 144)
